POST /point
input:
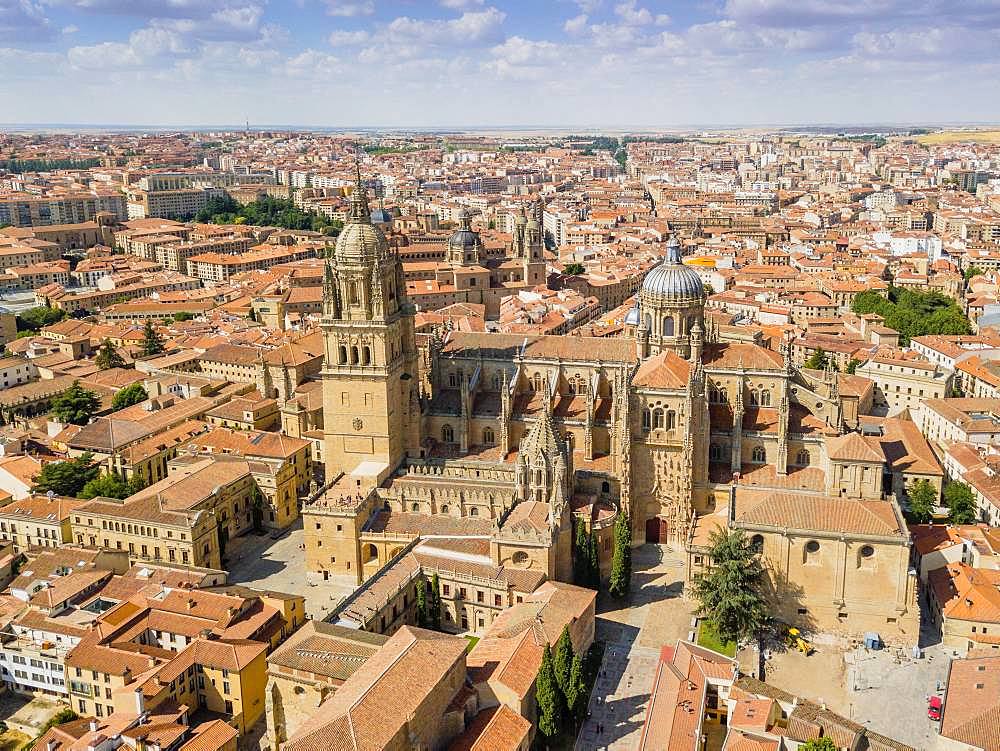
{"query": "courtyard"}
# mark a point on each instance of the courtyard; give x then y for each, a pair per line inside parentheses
(262, 562)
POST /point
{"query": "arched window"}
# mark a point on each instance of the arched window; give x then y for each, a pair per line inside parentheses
(474, 511)
(415, 507)
(452, 380)
(765, 398)
(723, 396)
(802, 458)
(488, 438)
(447, 434)
(354, 355)
(757, 542)
(537, 382)
(658, 419)
(647, 421)
(671, 419)
(753, 398)
(520, 558)
(366, 355)
(354, 293)
(444, 509)
(758, 455)
(668, 326)
(866, 557)
(715, 452)
(342, 354)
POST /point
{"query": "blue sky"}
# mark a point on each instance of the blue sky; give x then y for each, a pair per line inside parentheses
(452, 63)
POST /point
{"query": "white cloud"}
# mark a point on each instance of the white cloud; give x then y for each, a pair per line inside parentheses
(460, 4)
(350, 8)
(469, 28)
(71, 29)
(348, 38)
(23, 21)
(576, 25)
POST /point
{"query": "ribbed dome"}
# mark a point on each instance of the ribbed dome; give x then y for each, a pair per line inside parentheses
(464, 237)
(360, 241)
(672, 279)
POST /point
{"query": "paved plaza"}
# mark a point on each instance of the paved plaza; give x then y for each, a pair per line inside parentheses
(261, 562)
(633, 634)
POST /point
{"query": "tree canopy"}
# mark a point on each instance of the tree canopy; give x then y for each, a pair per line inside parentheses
(67, 478)
(128, 396)
(548, 697)
(913, 313)
(269, 212)
(572, 269)
(818, 360)
(108, 357)
(111, 486)
(960, 502)
(34, 319)
(621, 558)
(732, 593)
(152, 342)
(923, 498)
(819, 744)
(76, 405)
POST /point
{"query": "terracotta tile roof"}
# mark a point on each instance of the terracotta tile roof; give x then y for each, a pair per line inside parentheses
(730, 356)
(767, 508)
(209, 736)
(40, 507)
(327, 650)
(663, 371)
(854, 447)
(972, 703)
(496, 729)
(374, 705)
(966, 593)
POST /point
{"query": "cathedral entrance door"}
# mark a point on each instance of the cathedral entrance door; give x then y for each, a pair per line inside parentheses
(657, 530)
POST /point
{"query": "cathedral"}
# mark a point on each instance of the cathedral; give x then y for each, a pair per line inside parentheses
(508, 439)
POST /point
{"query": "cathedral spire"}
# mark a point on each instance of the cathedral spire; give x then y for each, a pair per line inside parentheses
(360, 212)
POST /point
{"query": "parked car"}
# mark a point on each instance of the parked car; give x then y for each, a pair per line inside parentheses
(934, 706)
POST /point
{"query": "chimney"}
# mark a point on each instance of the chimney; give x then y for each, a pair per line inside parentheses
(51, 745)
(190, 603)
(93, 726)
(140, 702)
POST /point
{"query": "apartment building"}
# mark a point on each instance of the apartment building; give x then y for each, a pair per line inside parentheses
(29, 210)
(903, 380)
(38, 520)
(219, 267)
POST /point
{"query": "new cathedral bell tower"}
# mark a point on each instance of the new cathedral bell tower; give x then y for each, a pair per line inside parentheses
(371, 411)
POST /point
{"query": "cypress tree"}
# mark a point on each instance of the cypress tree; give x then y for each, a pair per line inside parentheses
(595, 563)
(576, 690)
(152, 342)
(422, 605)
(548, 697)
(435, 603)
(621, 560)
(581, 557)
(563, 661)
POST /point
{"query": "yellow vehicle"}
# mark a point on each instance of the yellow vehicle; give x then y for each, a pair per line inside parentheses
(794, 639)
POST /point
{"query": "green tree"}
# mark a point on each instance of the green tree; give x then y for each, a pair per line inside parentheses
(422, 619)
(914, 313)
(183, 315)
(817, 360)
(819, 744)
(923, 498)
(257, 509)
(34, 319)
(111, 486)
(152, 342)
(621, 558)
(435, 603)
(581, 556)
(972, 271)
(852, 366)
(731, 594)
(563, 661)
(548, 697)
(960, 502)
(108, 357)
(576, 691)
(76, 405)
(595, 564)
(573, 269)
(126, 397)
(68, 477)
